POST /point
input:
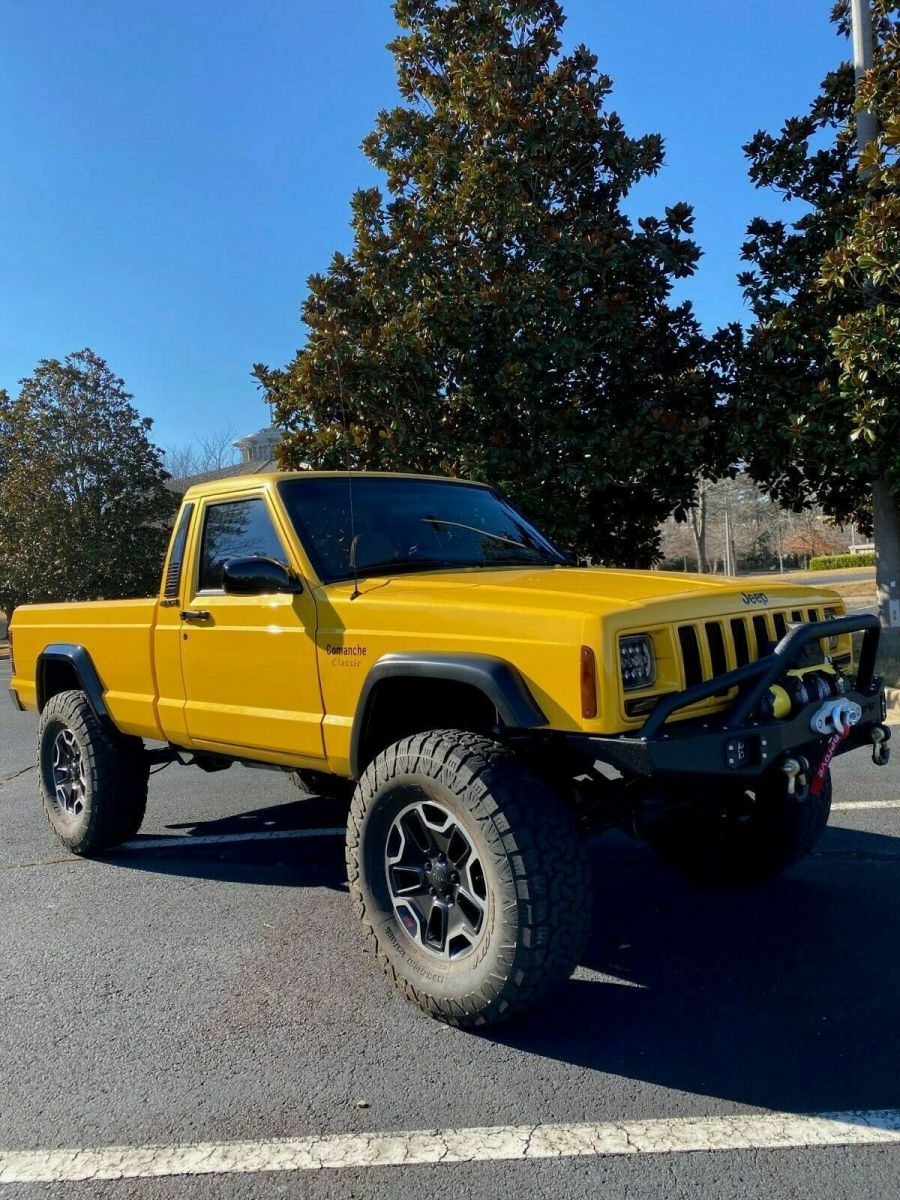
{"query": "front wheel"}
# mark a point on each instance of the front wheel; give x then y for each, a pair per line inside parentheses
(742, 837)
(469, 876)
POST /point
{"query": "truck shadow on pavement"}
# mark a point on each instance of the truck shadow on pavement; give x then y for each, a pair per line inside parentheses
(784, 996)
(279, 861)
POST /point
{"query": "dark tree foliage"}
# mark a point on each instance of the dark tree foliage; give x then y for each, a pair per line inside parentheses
(866, 264)
(499, 317)
(805, 425)
(84, 510)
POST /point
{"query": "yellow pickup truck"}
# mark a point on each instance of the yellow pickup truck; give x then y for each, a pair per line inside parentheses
(484, 703)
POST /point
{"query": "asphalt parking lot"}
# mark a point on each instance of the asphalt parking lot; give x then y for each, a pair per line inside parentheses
(212, 990)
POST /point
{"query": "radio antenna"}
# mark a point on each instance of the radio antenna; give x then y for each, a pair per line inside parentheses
(356, 592)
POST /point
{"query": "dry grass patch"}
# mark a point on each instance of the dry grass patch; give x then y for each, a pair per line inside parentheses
(860, 590)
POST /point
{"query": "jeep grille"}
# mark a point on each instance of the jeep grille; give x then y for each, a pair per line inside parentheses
(710, 648)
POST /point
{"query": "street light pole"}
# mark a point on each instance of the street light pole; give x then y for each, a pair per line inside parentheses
(729, 564)
(863, 49)
(885, 513)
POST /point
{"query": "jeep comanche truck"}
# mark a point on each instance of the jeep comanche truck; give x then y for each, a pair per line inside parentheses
(415, 643)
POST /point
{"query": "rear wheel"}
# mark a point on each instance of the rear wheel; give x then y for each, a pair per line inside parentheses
(93, 782)
(744, 837)
(469, 876)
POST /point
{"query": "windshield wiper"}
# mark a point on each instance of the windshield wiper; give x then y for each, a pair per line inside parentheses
(516, 560)
(392, 565)
(498, 537)
(541, 555)
(406, 564)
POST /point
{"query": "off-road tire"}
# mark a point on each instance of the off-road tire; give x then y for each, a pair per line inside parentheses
(537, 877)
(115, 776)
(778, 831)
(320, 783)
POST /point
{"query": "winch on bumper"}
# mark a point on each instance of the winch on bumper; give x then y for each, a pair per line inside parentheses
(748, 740)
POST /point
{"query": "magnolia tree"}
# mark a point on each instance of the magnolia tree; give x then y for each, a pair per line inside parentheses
(865, 266)
(85, 509)
(818, 416)
(499, 316)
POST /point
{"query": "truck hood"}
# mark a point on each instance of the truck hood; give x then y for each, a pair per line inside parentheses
(587, 589)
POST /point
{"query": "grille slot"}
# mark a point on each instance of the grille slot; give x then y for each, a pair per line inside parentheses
(780, 625)
(741, 646)
(690, 655)
(718, 656)
(761, 631)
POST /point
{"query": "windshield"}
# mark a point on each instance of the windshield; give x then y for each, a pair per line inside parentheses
(408, 525)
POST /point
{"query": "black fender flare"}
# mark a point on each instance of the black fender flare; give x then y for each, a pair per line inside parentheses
(498, 680)
(78, 658)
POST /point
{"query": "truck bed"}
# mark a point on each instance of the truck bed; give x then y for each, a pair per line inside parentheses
(119, 635)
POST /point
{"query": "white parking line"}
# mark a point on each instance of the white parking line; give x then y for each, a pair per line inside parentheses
(849, 805)
(183, 841)
(677, 1135)
(186, 841)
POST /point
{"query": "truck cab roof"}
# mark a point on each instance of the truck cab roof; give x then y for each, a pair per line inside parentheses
(240, 483)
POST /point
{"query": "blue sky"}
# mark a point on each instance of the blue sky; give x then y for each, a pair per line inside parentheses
(172, 171)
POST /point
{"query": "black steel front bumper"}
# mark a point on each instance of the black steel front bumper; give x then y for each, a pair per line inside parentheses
(739, 743)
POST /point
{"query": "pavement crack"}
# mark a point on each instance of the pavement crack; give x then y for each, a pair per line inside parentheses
(5, 779)
(857, 855)
(528, 1140)
(42, 862)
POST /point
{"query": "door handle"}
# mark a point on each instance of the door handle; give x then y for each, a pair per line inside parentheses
(194, 614)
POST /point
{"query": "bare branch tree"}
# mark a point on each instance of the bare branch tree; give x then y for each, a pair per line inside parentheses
(762, 534)
(209, 453)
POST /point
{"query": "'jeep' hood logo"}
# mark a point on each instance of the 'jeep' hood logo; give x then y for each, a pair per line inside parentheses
(754, 597)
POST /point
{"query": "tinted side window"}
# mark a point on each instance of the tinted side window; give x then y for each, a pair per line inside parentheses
(239, 529)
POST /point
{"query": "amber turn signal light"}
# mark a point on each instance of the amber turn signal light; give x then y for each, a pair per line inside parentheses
(588, 683)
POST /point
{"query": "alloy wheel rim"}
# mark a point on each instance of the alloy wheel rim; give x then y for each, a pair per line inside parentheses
(436, 881)
(69, 782)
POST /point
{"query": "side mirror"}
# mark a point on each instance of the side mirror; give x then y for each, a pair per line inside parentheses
(257, 577)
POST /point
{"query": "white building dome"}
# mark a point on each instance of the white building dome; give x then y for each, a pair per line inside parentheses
(258, 447)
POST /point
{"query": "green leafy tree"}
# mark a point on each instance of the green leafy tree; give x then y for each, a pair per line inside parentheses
(499, 317)
(817, 398)
(865, 267)
(82, 496)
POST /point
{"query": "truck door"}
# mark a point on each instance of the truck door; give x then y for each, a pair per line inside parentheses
(249, 662)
